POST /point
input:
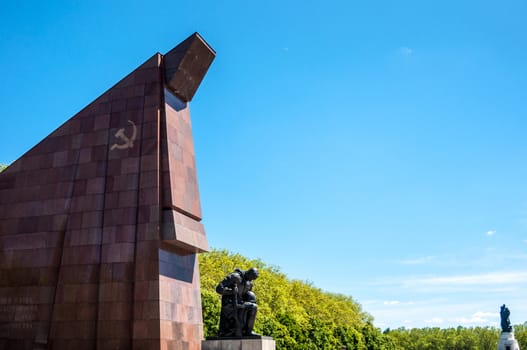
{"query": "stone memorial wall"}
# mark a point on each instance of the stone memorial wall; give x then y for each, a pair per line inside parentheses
(100, 221)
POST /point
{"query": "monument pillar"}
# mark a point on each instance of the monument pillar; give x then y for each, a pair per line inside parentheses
(242, 343)
(100, 222)
(508, 342)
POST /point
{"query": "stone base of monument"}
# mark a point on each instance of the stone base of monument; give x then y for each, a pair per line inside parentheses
(239, 343)
(508, 342)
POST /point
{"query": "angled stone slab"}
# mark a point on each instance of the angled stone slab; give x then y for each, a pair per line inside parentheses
(186, 65)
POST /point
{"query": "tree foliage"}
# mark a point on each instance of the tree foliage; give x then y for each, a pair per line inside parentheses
(460, 338)
(2, 167)
(300, 316)
(295, 313)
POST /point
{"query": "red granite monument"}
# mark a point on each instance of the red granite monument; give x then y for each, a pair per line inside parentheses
(100, 222)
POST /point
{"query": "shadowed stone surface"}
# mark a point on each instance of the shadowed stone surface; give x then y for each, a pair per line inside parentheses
(100, 221)
(251, 343)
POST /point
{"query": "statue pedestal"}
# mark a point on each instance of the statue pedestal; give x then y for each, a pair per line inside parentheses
(243, 343)
(508, 342)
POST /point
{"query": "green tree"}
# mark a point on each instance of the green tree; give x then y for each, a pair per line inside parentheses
(520, 333)
(460, 338)
(488, 337)
(300, 316)
(296, 314)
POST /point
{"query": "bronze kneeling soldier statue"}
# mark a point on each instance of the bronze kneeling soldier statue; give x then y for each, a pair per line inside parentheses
(238, 304)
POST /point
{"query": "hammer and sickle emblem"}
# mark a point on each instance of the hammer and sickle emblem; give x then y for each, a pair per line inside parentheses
(128, 142)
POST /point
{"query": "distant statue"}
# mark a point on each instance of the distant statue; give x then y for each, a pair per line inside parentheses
(505, 322)
(238, 303)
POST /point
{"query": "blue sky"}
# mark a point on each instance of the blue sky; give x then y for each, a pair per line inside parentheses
(375, 148)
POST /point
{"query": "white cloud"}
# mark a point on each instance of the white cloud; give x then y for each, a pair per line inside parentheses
(392, 302)
(446, 312)
(477, 317)
(491, 232)
(481, 314)
(484, 314)
(492, 282)
(417, 261)
(405, 51)
(435, 320)
(479, 279)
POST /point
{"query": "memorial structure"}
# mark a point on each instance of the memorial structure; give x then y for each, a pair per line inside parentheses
(238, 304)
(507, 340)
(238, 313)
(100, 222)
